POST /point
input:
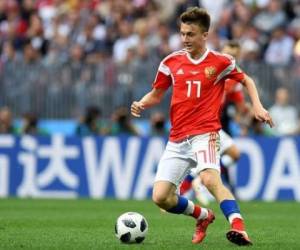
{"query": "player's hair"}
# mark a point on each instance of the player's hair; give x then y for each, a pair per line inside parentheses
(198, 16)
(232, 44)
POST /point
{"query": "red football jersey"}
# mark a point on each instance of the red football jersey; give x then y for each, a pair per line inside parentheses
(234, 92)
(198, 88)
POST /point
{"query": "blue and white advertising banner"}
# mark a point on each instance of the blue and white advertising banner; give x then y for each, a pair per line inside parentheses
(124, 167)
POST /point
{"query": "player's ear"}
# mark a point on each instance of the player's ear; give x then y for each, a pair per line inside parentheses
(205, 35)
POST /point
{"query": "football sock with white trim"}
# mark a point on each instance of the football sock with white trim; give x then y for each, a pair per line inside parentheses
(232, 213)
(187, 207)
(196, 211)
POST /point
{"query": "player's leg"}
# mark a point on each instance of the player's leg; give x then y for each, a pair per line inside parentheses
(228, 160)
(193, 182)
(169, 173)
(165, 196)
(201, 193)
(230, 154)
(207, 151)
(186, 185)
(212, 180)
(172, 168)
(234, 153)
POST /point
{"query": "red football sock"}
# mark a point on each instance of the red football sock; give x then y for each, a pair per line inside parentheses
(238, 224)
(185, 186)
(197, 211)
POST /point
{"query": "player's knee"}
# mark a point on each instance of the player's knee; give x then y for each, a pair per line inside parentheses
(235, 154)
(209, 181)
(160, 199)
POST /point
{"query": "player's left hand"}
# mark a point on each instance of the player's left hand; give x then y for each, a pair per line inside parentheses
(263, 115)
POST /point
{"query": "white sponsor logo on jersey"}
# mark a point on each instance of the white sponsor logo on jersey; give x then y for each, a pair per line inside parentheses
(180, 72)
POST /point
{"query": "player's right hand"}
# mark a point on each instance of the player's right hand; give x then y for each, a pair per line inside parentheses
(136, 109)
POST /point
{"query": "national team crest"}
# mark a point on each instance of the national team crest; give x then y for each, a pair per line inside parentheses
(210, 72)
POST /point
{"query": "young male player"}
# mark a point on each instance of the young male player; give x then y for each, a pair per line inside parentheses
(230, 154)
(197, 76)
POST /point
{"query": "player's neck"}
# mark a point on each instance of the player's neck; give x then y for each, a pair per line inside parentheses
(198, 54)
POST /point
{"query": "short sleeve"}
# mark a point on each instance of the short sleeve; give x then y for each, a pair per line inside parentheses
(163, 79)
(234, 91)
(230, 71)
(236, 74)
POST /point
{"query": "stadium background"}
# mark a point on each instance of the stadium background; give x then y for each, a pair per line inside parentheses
(62, 60)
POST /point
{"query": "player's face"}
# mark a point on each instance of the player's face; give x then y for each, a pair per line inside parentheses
(193, 38)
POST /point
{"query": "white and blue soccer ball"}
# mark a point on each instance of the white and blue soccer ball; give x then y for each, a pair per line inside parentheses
(131, 227)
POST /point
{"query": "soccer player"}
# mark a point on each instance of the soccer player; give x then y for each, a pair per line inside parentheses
(230, 154)
(197, 76)
(233, 100)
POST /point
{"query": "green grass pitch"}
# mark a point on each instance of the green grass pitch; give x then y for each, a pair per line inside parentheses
(89, 224)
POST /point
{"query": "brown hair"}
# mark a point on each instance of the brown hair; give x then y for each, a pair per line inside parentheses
(197, 16)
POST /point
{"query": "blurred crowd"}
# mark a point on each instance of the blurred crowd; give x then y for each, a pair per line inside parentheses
(124, 30)
(241, 122)
(285, 116)
(137, 34)
(89, 124)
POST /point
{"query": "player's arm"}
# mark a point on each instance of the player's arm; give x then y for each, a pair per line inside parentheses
(152, 98)
(260, 112)
(162, 82)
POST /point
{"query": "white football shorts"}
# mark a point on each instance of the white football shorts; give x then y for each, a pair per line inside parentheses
(225, 143)
(196, 152)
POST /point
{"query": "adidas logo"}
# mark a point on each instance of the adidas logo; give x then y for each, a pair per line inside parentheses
(180, 72)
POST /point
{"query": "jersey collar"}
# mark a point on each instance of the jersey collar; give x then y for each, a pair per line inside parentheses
(200, 59)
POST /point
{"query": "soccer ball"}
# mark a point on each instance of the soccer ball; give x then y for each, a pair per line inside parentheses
(131, 227)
